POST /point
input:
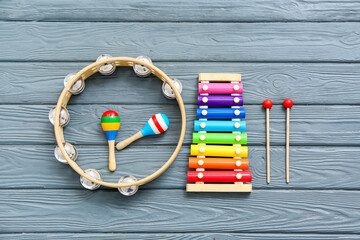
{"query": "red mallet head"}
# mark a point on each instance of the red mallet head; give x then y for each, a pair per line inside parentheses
(267, 103)
(288, 103)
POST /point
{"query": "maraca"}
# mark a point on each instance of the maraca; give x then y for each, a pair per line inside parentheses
(110, 122)
(157, 124)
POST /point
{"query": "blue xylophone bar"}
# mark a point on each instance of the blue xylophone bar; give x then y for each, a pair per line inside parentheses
(220, 113)
(219, 126)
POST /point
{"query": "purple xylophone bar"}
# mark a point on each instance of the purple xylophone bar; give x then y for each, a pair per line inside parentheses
(220, 100)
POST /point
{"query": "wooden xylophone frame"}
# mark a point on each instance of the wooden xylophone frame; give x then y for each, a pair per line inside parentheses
(199, 186)
(89, 71)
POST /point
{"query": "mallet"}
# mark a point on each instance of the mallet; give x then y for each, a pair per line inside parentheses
(288, 103)
(157, 124)
(267, 105)
(110, 122)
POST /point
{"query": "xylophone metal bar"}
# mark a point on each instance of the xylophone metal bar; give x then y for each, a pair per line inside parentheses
(219, 126)
(220, 88)
(219, 163)
(220, 113)
(218, 151)
(219, 176)
(220, 100)
(220, 138)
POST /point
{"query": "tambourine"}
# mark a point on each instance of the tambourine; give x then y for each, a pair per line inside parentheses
(75, 84)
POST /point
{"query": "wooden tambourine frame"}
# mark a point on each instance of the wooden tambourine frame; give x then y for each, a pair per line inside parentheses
(89, 71)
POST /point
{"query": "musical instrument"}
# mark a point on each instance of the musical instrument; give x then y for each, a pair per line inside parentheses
(157, 124)
(110, 123)
(59, 116)
(217, 142)
(267, 105)
(288, 103)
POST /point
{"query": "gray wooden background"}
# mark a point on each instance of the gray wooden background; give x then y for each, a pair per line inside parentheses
(305, 50)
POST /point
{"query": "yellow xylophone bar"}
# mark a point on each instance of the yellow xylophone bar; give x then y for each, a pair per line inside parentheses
(219, 151)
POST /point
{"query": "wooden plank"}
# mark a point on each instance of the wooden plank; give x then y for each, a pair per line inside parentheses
(310, 125)
(177, 211)
(179, 236)
(40, 41)
(39, 83)
(30, 123)
(167, 10)
(311, 167)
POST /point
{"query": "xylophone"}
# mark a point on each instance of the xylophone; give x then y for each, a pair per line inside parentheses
(218, 155)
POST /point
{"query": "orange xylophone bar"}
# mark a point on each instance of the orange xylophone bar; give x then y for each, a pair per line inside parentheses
(219, 176)
(219, 163)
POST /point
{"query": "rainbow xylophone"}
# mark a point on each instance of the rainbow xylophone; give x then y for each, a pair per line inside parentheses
(218, 155)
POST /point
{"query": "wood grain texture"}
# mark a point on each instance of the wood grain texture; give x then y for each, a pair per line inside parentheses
(179, 236)
(177, 211)
(305, 50)
(264, 42)
(310, 125)
(41, 83)
(311, 167)
(167, 10)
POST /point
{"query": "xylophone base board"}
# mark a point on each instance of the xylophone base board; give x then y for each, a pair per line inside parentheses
(219, 187)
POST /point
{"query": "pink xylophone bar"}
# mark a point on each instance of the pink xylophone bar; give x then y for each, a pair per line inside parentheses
(220, 88)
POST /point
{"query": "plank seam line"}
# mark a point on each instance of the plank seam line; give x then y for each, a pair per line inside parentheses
(176, 21)
(167, 233)
(190, 61)
(186, 61)
(120, 104)
(170, 145)
(170, 232)
(142, 145)
(183, 189)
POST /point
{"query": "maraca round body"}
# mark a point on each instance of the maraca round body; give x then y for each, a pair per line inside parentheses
(110, 122)
(157, 124)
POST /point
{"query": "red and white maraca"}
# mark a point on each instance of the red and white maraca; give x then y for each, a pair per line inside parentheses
(157, 124)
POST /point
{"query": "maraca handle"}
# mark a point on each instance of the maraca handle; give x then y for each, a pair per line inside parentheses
(112, 162)
(123, 144)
